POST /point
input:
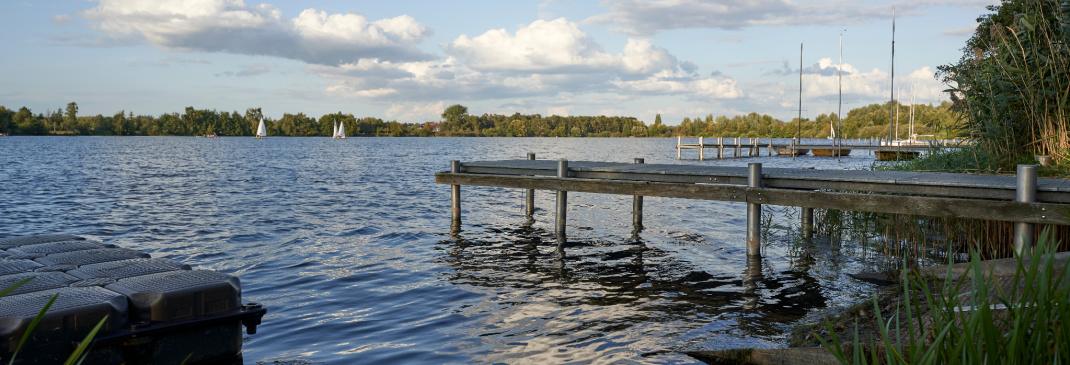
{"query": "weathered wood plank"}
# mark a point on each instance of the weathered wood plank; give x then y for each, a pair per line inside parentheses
(892, 182)
(1044, 213)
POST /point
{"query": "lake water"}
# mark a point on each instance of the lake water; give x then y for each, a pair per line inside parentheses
(348, 245)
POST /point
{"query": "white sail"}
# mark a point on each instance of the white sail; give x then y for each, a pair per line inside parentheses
(334, 132)
(341, 130)
(261, 131)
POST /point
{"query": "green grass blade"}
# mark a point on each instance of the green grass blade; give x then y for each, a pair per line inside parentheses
(14, 286)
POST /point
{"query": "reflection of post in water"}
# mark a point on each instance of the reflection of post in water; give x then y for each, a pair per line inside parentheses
(455, 229)
(559, 251)
(752, 277)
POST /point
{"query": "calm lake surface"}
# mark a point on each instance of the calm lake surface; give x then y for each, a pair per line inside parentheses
(348, 245)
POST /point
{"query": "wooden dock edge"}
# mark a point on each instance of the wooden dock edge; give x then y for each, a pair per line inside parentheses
(1011, 211)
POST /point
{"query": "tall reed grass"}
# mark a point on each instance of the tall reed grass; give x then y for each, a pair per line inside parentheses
(1013, 81)
(977, 318)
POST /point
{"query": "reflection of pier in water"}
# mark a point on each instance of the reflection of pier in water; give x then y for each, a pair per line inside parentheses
(603, 288)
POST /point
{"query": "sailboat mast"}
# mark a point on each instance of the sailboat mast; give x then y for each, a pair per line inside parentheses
(911, 135)
(891, 84)
(839, 85)
(839, 107)
(800, 88)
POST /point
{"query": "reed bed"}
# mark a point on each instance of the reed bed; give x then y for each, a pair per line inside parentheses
(979, 317)
(917, 240)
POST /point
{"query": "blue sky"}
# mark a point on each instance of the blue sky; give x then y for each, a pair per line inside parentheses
(409, 60)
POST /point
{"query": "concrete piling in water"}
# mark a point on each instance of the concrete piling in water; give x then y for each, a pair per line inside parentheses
(1026, 192)
(455, 194)
(637, 206)
(754, 212)
(562, 199)
(529, 208)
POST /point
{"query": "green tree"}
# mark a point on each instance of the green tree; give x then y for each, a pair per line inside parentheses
(6, 124)
(454, 116)
(71, 117)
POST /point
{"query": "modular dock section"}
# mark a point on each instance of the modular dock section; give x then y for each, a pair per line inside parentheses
(150, 310)
(1023, 199)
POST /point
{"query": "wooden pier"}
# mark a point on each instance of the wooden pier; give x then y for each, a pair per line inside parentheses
(751, 147)
(1024, 198)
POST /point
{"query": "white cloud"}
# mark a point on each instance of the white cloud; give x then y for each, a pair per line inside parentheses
(251, 70)
(61, 19)
(560, 110)
(646, 17)
(556, 47)
(231, 26)
(416, 111)
(964, 31)
(170, 59)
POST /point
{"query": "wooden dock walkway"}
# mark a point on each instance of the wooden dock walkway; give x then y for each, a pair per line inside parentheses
(753, 146)
(1024, 198)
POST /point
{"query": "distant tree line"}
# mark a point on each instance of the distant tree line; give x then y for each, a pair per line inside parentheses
(865, 122)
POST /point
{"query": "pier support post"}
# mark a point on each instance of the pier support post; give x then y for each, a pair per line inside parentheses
(637, 206)
(770, 150)
(701, 148)
(739, 146)
(808, 224)
(455, 194)
(679, 146)
(562, 199)
(720, 148)
(1026, 193)
(529, 208)
(754, 212)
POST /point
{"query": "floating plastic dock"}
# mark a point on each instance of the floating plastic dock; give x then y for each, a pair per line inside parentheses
(158, 311)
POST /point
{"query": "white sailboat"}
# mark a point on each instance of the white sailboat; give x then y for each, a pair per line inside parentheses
(340, 130)
(261, 131)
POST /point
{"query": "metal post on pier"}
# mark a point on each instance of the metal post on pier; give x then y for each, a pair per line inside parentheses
(770, 150)
(720, 148)
(529, 208)
(1026, 193)
(754, 212)
(455, 195)
(739, 146)
(562, 199)
(637, 206)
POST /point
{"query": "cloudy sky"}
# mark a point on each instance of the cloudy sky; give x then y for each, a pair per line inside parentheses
(409, 60)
